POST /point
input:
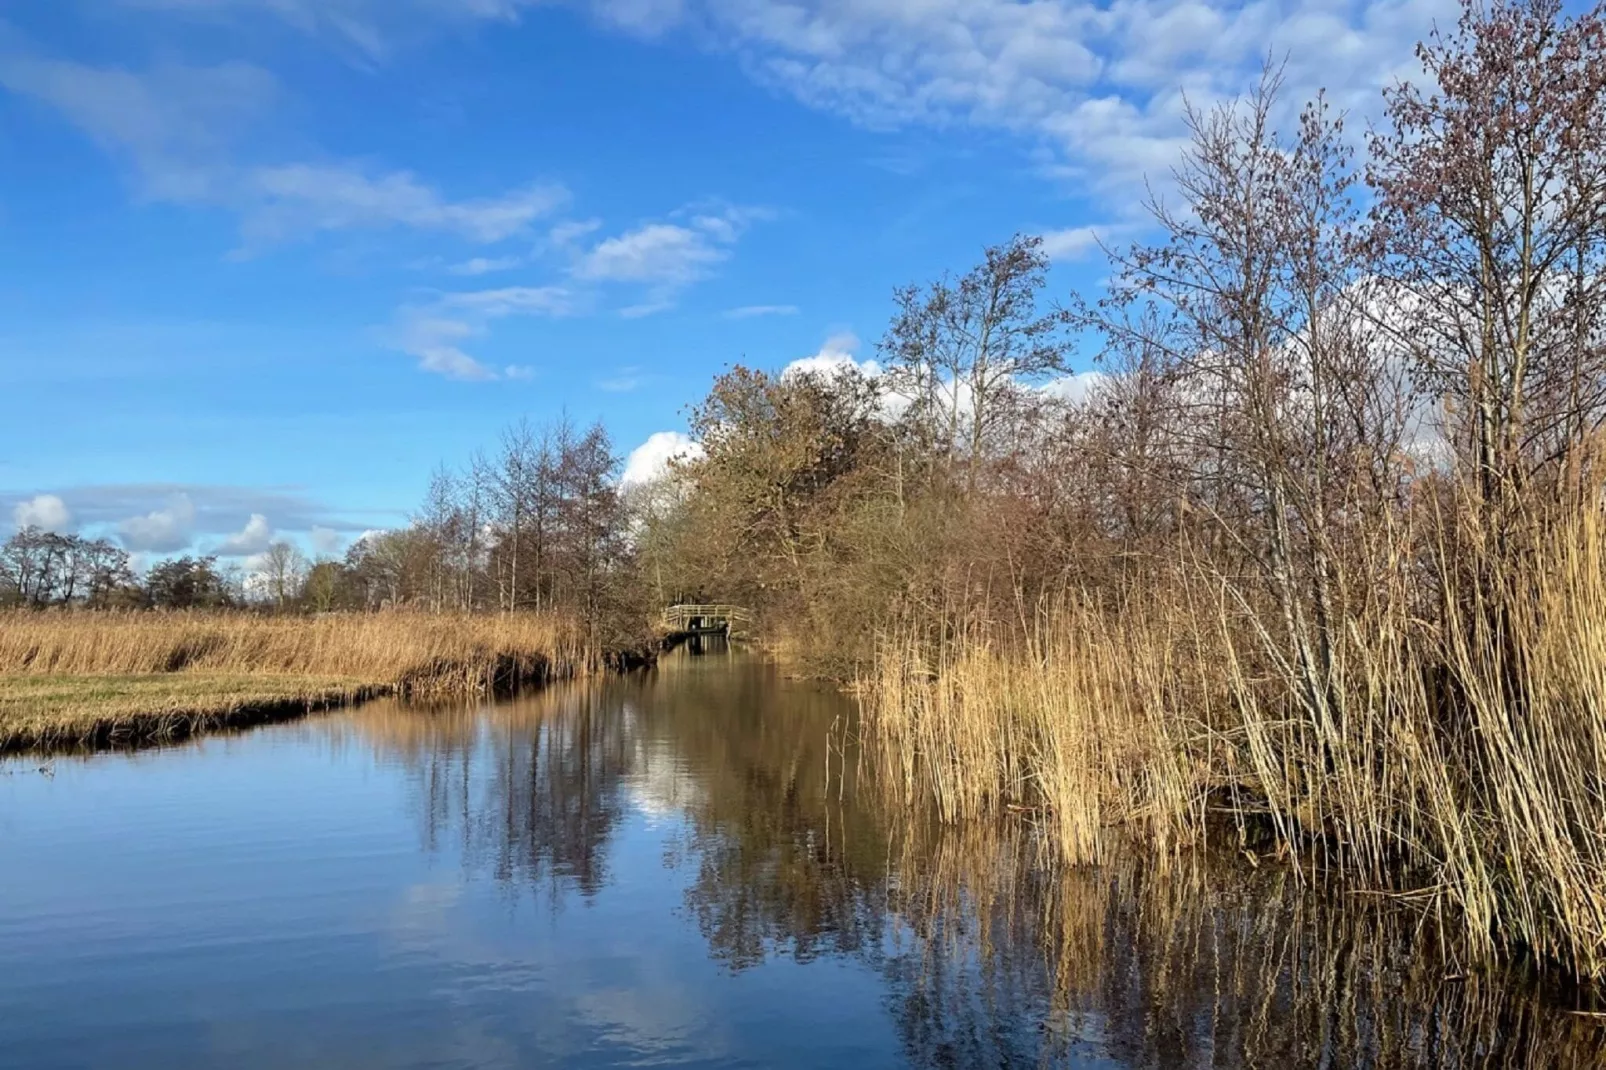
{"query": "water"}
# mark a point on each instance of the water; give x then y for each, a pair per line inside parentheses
(681, 868)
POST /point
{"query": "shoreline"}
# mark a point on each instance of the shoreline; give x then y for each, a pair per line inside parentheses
(121, 717)
(86, 681)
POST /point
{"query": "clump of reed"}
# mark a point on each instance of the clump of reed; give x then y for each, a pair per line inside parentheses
(1457, 762)
(412, 653)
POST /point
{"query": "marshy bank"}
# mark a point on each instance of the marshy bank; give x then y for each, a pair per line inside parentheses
(70, 679)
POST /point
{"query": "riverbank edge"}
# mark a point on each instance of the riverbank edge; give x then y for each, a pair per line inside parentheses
(124, 730)
(128, 731)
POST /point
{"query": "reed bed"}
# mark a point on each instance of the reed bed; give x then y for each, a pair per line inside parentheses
(1455, 764)
(82, 677)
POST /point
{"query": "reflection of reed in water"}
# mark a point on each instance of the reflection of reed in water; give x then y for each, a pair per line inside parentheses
(1181, 966)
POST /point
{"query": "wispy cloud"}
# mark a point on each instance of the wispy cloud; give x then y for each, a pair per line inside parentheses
(481, 265)
(666, 256)
(372, 27)
(1072, 243)
(623, 381)
(301, 199)
(179, 131)
(750, 311)
(436, 333)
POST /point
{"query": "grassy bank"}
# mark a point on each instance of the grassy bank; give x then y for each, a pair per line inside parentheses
(79, 678)
(1456, 764)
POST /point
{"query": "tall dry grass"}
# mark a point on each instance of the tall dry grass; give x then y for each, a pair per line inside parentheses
(412, 653)
(1460, 761)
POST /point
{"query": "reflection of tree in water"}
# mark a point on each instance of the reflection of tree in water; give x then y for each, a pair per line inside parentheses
(531, 793)
(783, 865)
(988, 957)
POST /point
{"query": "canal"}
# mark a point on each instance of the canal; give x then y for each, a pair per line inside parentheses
(692, 866)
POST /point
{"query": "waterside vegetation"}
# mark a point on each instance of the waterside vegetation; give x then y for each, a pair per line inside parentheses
(79, 678)
(1318, 553)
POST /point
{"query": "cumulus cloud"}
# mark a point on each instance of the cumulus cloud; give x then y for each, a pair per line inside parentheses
(326, 541)
(251, 539)
(210, 512)
(44, 511)
(161, 530)
(834, 356)
(651, 459)
(1076, 388)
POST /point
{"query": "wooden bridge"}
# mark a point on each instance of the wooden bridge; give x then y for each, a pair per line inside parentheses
(684, 619)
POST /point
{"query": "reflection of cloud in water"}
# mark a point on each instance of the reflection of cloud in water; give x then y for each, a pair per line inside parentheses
(663, 786)
(573, 994)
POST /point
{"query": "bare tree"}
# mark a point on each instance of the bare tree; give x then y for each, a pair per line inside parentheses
(958, 352)
(282, 568)
(1490, 220)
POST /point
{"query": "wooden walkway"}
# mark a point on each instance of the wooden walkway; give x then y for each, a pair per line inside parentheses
(706, 619)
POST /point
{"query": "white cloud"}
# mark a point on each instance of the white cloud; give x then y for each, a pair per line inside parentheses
(1076, 388)
(650, 460)
(664, 253)
(251, 539)
(570, 231)
(1097, 86)
(435, 334)
(750, 311)
(1072, 243)
(297, 199)
(834, 356)
(171, 124)
(481, 265)
(626, 380)
(371, 26)
(179, 128)
(44, 511)
(161, 530)
(436, 342)
(645, 309)
(514, 301)
(666, 257)
(327, 540)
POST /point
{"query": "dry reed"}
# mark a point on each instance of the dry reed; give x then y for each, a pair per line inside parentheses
(69, 677)
(1444, 776)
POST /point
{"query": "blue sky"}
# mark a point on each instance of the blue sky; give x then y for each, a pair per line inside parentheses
(265, 263)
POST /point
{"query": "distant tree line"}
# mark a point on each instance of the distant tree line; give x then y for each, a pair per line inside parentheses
(536, 524)
(43, 568)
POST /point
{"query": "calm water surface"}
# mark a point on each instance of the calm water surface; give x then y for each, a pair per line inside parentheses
(679, 868)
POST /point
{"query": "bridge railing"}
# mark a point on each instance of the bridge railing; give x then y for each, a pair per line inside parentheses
(683, 616)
